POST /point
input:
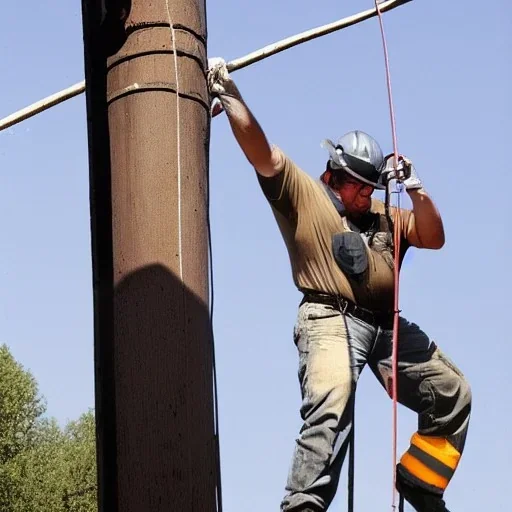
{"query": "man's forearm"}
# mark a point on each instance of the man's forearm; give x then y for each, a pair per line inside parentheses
(428, 222)
(245, 127)
(247, 131)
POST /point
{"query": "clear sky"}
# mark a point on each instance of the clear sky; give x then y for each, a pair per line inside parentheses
(451, 77)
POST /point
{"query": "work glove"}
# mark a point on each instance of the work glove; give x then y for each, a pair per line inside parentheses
(405, 174)
(218, 76)
(220, 84)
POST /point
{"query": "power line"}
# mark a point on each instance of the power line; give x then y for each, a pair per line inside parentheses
(251, 58)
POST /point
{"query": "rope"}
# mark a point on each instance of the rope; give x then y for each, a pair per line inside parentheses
(210, 258)
(214, 364)
(352, 454)
(178, 134)
(396, 240)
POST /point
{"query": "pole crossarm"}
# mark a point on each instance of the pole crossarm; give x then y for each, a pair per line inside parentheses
(234, 65)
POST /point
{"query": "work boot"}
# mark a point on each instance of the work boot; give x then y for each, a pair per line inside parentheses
(421, 499)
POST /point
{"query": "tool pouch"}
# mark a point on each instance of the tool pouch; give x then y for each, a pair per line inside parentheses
(350, 253)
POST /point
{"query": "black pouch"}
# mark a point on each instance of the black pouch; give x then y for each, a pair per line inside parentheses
(350, 253)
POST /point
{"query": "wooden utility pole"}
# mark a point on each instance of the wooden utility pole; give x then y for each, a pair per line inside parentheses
(148, 175)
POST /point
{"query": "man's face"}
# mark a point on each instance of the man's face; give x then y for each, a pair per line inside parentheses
(356, 195)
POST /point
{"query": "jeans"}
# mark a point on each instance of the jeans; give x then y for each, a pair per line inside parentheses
(333, 349)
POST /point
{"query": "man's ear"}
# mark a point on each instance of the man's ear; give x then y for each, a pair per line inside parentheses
(326, 176)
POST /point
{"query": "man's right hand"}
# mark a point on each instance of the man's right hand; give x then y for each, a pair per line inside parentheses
(219, 81)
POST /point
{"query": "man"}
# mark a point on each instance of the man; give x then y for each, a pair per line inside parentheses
(339, 241)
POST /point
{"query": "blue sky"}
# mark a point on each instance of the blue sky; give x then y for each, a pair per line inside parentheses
(451, 78)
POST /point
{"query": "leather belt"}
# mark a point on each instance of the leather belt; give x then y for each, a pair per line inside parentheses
(383, 319)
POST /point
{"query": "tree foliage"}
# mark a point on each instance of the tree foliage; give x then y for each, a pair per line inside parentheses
(20, 407)
(43, 468)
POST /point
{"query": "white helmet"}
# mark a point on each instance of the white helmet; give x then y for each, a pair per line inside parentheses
(358, 154)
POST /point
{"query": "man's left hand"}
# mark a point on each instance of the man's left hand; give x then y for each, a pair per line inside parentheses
(405, 173)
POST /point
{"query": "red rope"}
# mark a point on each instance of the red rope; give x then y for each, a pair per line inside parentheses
(396, 239)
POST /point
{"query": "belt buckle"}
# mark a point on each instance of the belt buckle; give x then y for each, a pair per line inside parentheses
(342, 307)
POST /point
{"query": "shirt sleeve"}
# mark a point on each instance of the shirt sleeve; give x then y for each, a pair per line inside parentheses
(408, 225)
(285, 190)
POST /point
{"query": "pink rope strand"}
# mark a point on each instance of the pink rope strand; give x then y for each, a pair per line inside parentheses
(396, 239)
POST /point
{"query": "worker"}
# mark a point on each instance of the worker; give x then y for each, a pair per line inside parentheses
(340, 244)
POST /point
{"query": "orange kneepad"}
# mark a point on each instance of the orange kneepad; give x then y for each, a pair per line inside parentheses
(432, 460)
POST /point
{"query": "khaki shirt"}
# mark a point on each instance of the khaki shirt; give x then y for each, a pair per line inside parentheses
(308, 220)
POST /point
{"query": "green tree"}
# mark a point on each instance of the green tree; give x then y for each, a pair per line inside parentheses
(80, 492)
(38, 473)
(20, 407)
(42, 467)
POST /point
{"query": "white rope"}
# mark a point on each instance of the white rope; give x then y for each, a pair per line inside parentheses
(218, 496)
(178, 134)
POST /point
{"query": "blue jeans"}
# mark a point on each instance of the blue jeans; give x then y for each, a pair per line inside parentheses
(333, 349)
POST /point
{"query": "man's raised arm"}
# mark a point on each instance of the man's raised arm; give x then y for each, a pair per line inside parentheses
(246, 128)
